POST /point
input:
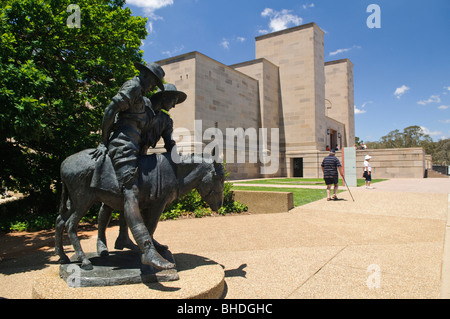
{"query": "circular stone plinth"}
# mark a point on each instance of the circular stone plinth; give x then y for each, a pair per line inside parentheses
(118, 268)
(199, 278)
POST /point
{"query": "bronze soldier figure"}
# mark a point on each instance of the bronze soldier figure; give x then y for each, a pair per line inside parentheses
(122, 130)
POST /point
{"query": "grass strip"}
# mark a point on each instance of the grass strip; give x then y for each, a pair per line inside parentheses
(303, 181)
(301, 196)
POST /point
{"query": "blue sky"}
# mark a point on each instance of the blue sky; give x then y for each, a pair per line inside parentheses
(401, 70)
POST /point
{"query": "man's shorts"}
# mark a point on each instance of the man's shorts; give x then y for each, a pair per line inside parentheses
(331, 180)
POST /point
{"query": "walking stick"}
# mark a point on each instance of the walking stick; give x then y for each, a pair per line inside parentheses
(345, 182)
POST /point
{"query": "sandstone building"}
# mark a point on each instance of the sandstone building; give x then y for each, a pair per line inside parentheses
(288, 86)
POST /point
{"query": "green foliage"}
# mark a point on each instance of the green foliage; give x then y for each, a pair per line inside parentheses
(27, 214)
(441, 152)
(55, 82)
(358, 142)
(229, 204)
(192, 203)
(189, 203)
(414, 136)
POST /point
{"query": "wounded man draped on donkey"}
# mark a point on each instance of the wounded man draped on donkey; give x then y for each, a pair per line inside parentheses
(124, 138)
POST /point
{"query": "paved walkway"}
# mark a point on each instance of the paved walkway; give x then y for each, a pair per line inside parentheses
(388, 243)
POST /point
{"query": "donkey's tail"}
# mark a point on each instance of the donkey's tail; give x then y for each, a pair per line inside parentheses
(64, 199)
(59, 224)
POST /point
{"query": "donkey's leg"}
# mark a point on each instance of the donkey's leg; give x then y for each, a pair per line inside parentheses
(152, 216)
(59, 249)
(104, 216)
(72, 225)
(64, 214)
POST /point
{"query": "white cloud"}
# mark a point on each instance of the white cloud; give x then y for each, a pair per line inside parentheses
(400, 91)
(445, 121)
(173, 52)
(339, 51)
(150, 5)
(267, 12)
(225, 44)
(443, 107)
(432, 99)
(280, 20)
(361, 110)
(431, 133)
(306, 6)
(447, 88)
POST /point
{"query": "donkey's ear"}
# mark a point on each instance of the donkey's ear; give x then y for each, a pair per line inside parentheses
(218, 167)
(219, 159)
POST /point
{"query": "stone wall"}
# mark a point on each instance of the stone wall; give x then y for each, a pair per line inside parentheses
(221, 97)
(393, 163)
(298, 52)
(262, 202)
(385, 163)
(339, 96)
(267, 75)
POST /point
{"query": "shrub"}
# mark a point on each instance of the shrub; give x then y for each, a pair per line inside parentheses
(192, 203)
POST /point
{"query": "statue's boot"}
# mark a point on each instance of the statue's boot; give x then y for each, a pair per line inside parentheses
(140, 233)
(149, 254)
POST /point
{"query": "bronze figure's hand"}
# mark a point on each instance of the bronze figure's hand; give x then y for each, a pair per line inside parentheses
(100, 152)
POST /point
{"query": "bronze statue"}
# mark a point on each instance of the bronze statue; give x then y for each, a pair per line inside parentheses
(160, 127)
(122, 142)
(120, 175)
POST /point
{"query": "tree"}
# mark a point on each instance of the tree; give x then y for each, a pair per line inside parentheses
(412, 136)
(56, 80)
(358, 142)
(441, 154)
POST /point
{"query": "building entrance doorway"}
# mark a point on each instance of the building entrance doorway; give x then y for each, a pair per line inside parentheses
(333, 139)
(298, 167)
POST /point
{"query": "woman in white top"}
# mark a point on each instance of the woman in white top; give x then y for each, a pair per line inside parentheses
(367, 171)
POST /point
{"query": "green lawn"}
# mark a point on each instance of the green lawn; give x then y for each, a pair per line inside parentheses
(302, 196)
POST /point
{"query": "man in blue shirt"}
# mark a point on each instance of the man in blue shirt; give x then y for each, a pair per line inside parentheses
(330, 167)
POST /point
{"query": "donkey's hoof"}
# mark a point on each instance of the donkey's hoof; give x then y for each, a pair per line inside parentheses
(86, 265)
(103, 253)
(64, 260)
(102, 250)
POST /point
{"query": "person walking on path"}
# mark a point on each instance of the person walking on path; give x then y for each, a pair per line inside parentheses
(330, 167)
(367, 171)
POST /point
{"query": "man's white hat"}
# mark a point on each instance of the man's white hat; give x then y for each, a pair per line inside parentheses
(367, 157)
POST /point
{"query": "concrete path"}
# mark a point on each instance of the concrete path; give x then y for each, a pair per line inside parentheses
(423, 185)
(388, 243)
